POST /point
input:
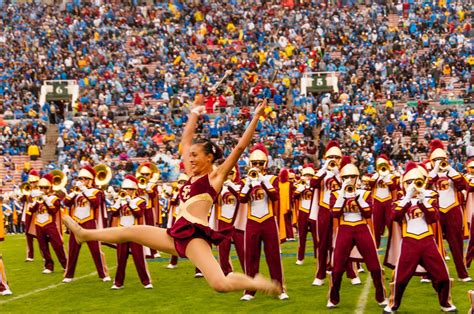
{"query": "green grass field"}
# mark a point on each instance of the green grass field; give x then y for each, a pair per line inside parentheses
(177, 291)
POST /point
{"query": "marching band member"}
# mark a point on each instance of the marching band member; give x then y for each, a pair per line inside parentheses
(149, 192)
(174, 212)
(307, 199)
(449, 183)
(350, 207)
(46, 210)
(227, 206)
(128, 211)
(260, 192)
(4, 289)
(417, 210)
(383, 186)
(26, 217)
(84, 204)
(327, 180)
(469, 176)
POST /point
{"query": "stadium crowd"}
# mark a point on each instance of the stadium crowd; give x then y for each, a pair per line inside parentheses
(152, 60)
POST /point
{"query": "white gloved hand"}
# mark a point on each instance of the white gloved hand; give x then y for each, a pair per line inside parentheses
(254, 183)
(410, 190)
(36, 193)
(72, 195)
(128, 198)
(123, 202)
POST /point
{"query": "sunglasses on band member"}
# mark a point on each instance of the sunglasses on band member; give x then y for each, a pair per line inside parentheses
(258, 163)
(83, 178)
(44, 187)
(352, 176)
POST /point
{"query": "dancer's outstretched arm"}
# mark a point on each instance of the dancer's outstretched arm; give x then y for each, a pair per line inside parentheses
(218, 176)
(188, 132)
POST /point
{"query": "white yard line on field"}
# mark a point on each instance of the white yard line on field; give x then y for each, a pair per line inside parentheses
(362, 302)
(21, 296)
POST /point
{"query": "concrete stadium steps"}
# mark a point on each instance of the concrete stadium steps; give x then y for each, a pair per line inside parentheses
(19, 162)
(48, 153)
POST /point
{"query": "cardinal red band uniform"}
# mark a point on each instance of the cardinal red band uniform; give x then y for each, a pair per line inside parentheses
(327, 181)
(150, 194)
(261, 196)
(26, 216)
(352, 212)
(129, 212)
(47, 220)
(262, 227)
(307, 199)
(85, 208)
(449, 183)
(227, 206)
(384, 188)
(418, 245)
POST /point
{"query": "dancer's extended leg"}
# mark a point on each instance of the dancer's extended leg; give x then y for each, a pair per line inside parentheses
(150, 236)
(199, 252)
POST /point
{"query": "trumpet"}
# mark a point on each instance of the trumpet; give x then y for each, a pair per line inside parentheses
(419, 184)
(349, 189)
(253, 173)
(25, 188)
(122, 194)
(443, 165)
(142, 182)
(76, 189)
(39, 199)
(383, 170)
(332, 164)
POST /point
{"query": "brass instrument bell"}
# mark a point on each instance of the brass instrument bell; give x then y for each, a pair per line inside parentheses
(25, 188)
(103, 175)
(142, 182)
(253, 173)
(59, 180)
